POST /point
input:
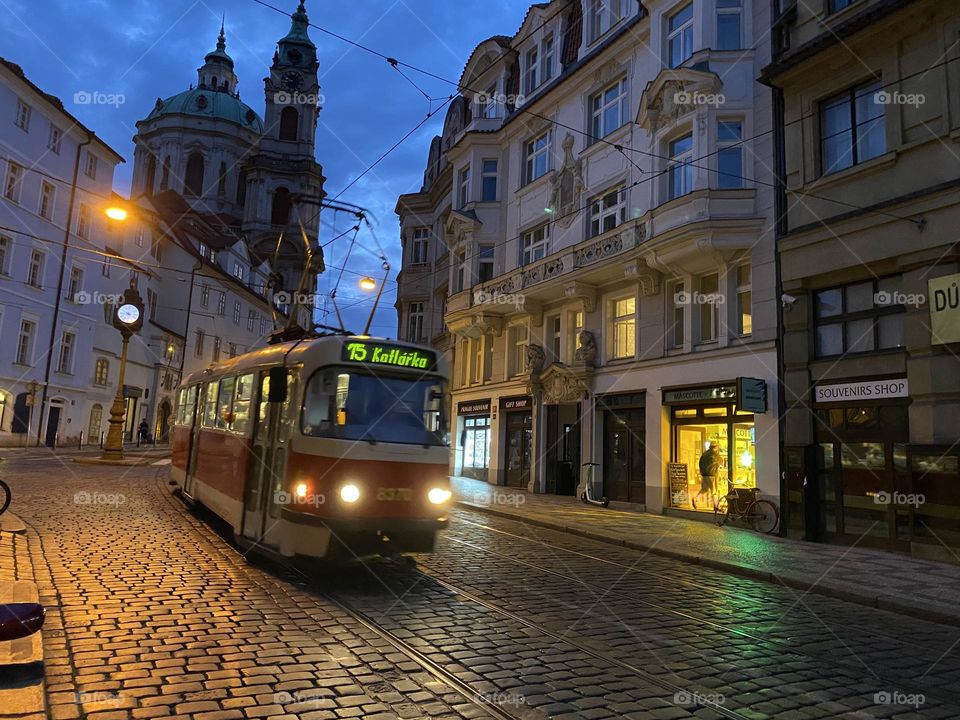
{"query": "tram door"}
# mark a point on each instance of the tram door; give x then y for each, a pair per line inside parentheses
(267, 465)
(190, 478)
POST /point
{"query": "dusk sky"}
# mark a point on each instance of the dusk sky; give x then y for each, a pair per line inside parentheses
(142, 49)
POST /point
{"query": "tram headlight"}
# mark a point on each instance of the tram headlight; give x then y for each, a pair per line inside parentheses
(301, 490)
(350, 493)
(438, 496)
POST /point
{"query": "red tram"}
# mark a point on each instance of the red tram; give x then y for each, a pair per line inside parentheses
(329, 446)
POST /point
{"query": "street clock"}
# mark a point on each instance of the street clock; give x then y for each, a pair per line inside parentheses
(128, 317)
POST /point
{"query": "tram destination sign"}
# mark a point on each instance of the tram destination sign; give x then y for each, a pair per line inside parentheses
(375, 353)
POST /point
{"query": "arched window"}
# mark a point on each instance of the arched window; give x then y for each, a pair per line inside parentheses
(151, 176)
(289, 122)
(213, 82)
(193, 183)
(280, 212)
(222, 187)
(165, 177)
(101, 372)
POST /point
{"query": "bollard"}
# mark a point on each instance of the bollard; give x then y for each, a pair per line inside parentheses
(80, 442)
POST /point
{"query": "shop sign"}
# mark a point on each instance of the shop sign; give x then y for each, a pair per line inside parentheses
(524, 402)
(677, 479)
(751, 395)
(872, 390)
(945, 309)
(622, 400)
(474, 407)
(703, 394)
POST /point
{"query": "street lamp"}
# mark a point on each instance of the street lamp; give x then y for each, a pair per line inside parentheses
(365, 286)
(116, 212)
(128, 319)
(368, 283)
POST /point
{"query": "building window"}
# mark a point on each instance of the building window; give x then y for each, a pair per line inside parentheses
(251, 319)
(535, 244)
(603, 15)
(680, 176)
(537, 154)
(90, 170)
(204, 296)
(76, 283)
(838, 5)
(464, 187)
(609, 110)
(280, 208)
(556, 338)
(728, 24)
(608, 211)
(6, 247)
(576, 326)
(55, 139)
(707, 305)
(289, 123)
(729, 154)
(531, 64)
(65, 361)
(477, 345)
(851, 128)
(216, 349)
(744, 300)
(25, 342)
(518, 355)
(485, 263)
(83, 222)
(101, 372)
(421, 245)
(238, 271)
(105, 268)
(415, 322)
(859, 318)
(198, 345)
(677, 330)
(263, 327)
(222, 304)
(624, 328)
(139, 236)
(11, 188)
(680, 36)
(48, 194)
(237, 311)
(232, 350)
(461, 270)
(22, 119)
(151, 303)
(489, 102)
(489, 180)
(35, 271)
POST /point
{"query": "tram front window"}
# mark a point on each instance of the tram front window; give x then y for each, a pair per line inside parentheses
(356, 406)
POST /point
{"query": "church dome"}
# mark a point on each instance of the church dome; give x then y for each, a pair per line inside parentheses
(211, 104)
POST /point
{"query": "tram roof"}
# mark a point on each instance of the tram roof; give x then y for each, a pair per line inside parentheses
(291, 353)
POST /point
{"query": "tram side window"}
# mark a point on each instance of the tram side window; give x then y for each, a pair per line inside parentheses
(186, 404)
(241, 403)
(210, 405)
(225, 403)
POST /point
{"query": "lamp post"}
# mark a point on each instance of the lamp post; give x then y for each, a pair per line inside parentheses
(128, 319)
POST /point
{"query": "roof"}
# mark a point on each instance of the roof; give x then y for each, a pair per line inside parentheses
(211, 104)
(58, 104)
(177, 213)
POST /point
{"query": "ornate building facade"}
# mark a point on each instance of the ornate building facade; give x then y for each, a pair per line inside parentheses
(592, 250)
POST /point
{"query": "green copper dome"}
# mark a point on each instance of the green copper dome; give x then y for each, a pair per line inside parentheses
(213, 104)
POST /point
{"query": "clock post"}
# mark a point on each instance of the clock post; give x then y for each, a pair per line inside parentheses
(128, 319)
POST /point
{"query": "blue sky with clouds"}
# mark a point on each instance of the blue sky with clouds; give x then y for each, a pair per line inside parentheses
(143, 49)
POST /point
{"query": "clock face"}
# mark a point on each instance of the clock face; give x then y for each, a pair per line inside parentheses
(128, 314)
(291, 81)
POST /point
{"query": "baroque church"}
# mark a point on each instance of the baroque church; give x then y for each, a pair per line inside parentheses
(251, 177)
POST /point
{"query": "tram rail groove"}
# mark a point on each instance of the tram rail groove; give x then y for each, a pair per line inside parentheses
(878, 602)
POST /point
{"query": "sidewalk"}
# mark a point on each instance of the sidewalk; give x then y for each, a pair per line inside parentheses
(902, 584)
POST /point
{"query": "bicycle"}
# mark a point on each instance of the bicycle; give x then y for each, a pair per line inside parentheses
(763, 516)
(5, 497)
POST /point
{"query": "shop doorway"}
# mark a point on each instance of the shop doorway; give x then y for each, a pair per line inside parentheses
(563, 448)
(624, 455)
(475, 447)
(519, 436)
(53, 426)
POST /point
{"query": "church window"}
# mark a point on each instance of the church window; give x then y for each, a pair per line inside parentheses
(222, 188)
(151, 174)
(280, 212)
(289, 120)
(165, 177)
(242, 189)
(193, 183)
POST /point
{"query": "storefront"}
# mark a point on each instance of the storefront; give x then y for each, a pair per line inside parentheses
(624, 446)
(474, 427)
(713, 441)
(517, 421)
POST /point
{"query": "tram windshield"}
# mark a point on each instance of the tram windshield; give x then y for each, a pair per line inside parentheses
(342, 403)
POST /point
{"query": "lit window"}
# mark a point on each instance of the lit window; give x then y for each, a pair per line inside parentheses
(101, 372)
(624, 328)
(609, 110)
(238, 271)
(535, 245)
(576, 325)
(608, 211)
(729, 154)
(851, 128)
(680, 36)
(744, 300)
(537, 153)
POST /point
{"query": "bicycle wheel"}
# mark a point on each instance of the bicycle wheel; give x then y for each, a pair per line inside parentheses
(764, 516)
(5, 497)
(721, 510)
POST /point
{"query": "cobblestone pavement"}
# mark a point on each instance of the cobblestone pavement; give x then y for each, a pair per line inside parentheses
(155, 615)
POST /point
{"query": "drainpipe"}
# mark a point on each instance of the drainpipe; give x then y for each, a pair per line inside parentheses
(59, 298)
(780, 229)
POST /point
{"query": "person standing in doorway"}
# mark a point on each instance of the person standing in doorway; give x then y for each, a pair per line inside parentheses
(144, 431)
(709, 465)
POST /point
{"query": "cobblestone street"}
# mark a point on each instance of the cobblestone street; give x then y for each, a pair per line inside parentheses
(152, 613)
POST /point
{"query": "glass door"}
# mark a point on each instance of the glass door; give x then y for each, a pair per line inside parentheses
(624, 462)
(519, 436)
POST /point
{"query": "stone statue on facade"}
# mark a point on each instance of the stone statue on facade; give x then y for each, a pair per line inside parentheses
(567, 186)
(535, 358)
(587, 352)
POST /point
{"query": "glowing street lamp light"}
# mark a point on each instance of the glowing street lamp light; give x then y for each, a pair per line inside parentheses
(115, 212)
(368, 283)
